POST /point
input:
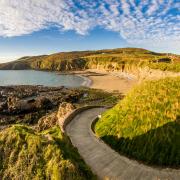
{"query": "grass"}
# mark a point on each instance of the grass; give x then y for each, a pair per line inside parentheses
(97, 97)
(145, 125)
(175, 67)
(25, 154)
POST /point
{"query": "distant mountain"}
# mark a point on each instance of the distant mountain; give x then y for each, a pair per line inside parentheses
(111, 59)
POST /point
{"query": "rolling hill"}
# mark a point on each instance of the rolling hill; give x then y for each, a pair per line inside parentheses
(110, 59)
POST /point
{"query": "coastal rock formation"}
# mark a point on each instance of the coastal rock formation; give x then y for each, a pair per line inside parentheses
(20, 99)
(154, 74)
(12, 103)
(16, 105)
(47, 121)
(122, 60)
(28, 104)
(64, 110)
(55, 118)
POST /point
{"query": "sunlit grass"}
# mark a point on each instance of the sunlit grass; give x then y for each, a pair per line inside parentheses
(166, 66)
(25, 154)
(146, 124)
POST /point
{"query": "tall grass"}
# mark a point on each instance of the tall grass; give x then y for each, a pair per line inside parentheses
(175, 67)
(146, 124)
(25, 154)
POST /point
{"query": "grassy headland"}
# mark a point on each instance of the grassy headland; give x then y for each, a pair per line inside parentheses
(113, 59)
(145, 125)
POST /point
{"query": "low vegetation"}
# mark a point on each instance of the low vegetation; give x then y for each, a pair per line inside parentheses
(175, 67)
(97, 97)
(145, 125)
(26, 154)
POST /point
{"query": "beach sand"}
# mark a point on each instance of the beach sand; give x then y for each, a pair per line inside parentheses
(112, 83)
(108, 81)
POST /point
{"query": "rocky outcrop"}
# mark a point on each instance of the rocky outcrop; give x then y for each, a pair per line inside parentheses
(16, 105)
(2, 106)
(144, 73)
(55, 118)
(153, 74)
(12, 104)
(27, 104)
(64, 110)
(47, 122)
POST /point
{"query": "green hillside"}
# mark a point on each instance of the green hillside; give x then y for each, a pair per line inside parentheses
(26, 154)
(145, 125)
(112, 59)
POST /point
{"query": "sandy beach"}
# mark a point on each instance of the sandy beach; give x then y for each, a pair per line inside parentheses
(108, 81)
(112, 83)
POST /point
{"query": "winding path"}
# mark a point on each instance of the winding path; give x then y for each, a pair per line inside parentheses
(104, 161)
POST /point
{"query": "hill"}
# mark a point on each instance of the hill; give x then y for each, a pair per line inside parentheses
(145, 125)
(110, 59)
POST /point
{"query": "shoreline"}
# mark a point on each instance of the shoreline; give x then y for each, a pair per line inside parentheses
(120, 82)
(107, 81)
(87, 81)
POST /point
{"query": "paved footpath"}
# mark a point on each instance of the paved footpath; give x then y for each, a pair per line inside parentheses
(104, 161)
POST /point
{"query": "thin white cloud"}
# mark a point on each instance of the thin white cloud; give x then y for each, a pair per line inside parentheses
(145, 22)
(19, 17)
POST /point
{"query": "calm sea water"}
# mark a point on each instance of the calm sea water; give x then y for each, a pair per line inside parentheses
(30, 77)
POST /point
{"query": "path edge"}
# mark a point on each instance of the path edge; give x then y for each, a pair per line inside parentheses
(75, 112)
(125, 158)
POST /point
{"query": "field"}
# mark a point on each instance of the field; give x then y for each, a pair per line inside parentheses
(145, 125)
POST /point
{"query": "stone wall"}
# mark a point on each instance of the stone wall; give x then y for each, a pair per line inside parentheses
(69, 116)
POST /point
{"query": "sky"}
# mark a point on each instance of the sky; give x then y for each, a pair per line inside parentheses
(34, 27)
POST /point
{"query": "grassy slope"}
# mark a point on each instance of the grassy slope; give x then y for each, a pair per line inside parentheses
(115, 59)
(25, 154)
(146, 124)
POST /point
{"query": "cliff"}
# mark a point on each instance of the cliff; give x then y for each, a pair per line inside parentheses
(124, 60)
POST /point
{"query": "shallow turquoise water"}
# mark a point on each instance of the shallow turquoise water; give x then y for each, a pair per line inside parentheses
(30, 77)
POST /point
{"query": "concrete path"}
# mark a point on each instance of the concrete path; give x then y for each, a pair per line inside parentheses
(104, 161)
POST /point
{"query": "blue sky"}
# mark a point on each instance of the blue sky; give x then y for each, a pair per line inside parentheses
(52, 41)
(33, 27)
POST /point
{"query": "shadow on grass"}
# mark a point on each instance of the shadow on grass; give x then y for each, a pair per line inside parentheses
(160, 147)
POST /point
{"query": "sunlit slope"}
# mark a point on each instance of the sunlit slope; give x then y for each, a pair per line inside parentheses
(112, 59)
(25, 154)
(146, 124)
